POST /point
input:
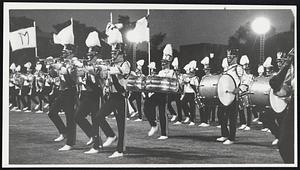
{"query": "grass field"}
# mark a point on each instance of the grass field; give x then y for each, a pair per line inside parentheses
(31, 142)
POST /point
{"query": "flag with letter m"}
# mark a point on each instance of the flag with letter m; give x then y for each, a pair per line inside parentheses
(23, 38)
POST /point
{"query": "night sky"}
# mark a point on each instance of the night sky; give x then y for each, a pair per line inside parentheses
(182, 26)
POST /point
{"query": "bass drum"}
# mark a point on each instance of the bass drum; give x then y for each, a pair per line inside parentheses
(259, 91)
(208, 88)
(226, 86)
(278, 104)
(136, 83)
(162, 84)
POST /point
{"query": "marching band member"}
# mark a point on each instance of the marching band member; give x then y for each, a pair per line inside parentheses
(209, 108)
(88, 101)
(220, 106)
(12, 89)
(137, 96)
(190, 83)
(270, 119)
(257, 112)
(118, 72)
(283, 86)
(18, 81)
(213, 106)
(152, 67)
(244, 102)
(230, 112)
(159, 99)
(66, 101)
(40, 83)
(28, 78)
(89, 90)
(53, 80)
(175, 97)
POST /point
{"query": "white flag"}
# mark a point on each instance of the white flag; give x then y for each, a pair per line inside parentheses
(92, 39)
(23, 38)
(65, 36)
(142, 30)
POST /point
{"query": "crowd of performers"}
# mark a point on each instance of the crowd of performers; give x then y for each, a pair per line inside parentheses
(96, 87)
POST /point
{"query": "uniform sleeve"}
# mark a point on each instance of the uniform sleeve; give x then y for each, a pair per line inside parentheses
(239, 71)
(124, 69)
(195, 81)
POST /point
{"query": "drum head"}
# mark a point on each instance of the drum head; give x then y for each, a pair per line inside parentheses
(277, 103)
(226, 86)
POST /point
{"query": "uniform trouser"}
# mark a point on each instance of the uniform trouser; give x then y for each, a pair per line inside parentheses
(219, 110)
(65, 100)
(31, 97)
(116, 102)
(20, 99)
(26, 97)
(88, 103)
(174, 97)
(254, 112)
(205, 113)
(53, 96)
(13, 96)
(157, 99)
(137, 96)
(272, 121)
(243, 117)
(286, 138)
(228, 113)
(189, 106)
(212, 113)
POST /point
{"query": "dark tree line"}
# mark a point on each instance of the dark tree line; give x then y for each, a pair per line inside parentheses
(244, 39)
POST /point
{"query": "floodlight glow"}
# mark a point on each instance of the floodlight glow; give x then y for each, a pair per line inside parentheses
(131, 36)
(261, 25)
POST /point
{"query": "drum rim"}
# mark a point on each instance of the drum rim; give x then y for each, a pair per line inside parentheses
(272, 104)
(234, 86)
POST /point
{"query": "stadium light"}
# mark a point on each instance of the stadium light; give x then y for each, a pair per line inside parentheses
(261, 26)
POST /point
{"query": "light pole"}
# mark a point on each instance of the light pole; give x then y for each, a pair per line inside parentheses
(261, 26)
(132, 37)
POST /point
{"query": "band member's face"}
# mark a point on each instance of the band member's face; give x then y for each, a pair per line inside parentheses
(231, 59)
(279, 63)
(207, 71)
(165, 65)
(115, 54)
(268, 70)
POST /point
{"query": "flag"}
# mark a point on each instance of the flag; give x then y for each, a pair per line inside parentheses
(92, 39)
(113, 33)
(141, 30)
(23, 38)
(65, 36)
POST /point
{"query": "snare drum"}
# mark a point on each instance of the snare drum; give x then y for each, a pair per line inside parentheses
(162, 84)
(259, 91)
(136, 83)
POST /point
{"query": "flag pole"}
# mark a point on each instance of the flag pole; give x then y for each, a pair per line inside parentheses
(149, 70)
(111, 18)
(35, 49)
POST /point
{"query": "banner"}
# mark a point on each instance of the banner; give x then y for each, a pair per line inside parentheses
(141, 31)
(65, 36)
(23, 38)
